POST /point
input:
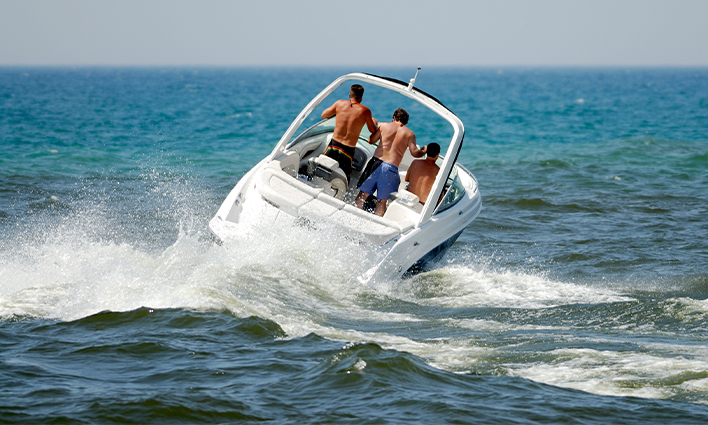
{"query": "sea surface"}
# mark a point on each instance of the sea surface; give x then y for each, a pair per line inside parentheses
(578, 296)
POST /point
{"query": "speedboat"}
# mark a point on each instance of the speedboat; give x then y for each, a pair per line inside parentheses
(297, 182)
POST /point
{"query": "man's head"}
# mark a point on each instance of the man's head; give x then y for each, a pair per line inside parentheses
(401, 116)
(433, 150)
(356, 92)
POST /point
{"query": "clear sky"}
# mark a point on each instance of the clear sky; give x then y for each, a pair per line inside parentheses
(344, 33)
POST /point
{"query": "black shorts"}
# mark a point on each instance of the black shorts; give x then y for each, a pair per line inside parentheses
(343, 154)
(371, 166)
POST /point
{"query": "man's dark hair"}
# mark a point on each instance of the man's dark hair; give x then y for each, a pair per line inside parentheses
(356, 92)
(433, 150)
(401, 116)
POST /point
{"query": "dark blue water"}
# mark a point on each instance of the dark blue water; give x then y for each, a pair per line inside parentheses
(577, 296)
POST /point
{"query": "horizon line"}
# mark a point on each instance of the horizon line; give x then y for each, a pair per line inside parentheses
(324, 66)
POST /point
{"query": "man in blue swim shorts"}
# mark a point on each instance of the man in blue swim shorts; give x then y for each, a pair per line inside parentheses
(395, 138)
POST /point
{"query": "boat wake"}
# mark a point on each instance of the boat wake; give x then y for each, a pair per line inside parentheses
(68, 274)
(465, 316)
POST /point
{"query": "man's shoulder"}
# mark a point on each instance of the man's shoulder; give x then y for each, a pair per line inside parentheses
(386, 125)
(424, 163)
(337, 105)
(417, 163)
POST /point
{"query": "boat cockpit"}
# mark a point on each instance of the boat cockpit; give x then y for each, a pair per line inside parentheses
(303, 182)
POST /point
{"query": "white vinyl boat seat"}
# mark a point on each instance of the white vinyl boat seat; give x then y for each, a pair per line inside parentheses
(288, 161)
(407, 198)
(312, 145)
(309, 148)
(326, 173)
(405, 206)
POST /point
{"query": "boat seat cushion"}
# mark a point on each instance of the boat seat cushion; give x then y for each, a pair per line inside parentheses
(327, 162)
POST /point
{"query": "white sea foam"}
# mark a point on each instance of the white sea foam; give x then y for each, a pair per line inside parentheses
(478, 286)
(685, 307)
(69, 281)
(273, 273)
(628, 373)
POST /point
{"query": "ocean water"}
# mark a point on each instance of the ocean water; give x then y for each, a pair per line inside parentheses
(579, 295)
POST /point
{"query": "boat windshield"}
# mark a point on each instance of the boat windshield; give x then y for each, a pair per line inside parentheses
(455, 190)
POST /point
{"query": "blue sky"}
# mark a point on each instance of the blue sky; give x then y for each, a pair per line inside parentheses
(339, 33)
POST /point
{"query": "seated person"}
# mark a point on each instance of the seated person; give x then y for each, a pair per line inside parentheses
(422, 172)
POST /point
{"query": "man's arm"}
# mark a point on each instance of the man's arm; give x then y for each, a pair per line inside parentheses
(330, 112)
(371, 123)
(417, 153)
(375, 135)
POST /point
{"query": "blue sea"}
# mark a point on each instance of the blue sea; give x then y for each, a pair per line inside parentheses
(578, 296)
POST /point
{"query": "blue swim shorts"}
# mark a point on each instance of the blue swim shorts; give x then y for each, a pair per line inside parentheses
(383, 180)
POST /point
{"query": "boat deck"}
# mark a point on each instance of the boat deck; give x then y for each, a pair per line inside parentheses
(300, 197)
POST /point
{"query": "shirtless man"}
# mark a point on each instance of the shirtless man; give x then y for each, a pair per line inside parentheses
(395, 138)
(422, 172)
(351, 117)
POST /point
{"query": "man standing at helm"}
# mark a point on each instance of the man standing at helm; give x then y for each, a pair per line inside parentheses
(351, 117)
(395, 138)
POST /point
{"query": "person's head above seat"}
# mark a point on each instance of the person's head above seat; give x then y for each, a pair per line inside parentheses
(433, 150)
